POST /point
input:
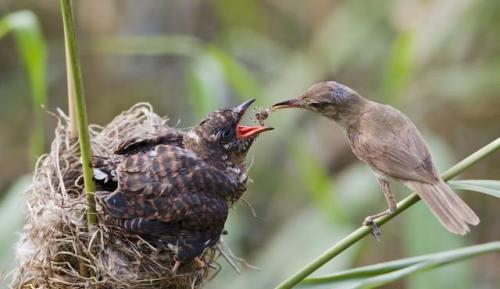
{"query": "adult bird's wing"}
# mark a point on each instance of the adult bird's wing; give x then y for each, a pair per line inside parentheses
(391, 144)
(169, 184)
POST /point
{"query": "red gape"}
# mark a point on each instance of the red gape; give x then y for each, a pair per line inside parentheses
(243, 132)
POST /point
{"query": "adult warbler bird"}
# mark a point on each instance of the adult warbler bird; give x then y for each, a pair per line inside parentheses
(388, 141)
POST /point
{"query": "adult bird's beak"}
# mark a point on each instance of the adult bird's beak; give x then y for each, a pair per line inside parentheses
(242, 131)
(294, 102)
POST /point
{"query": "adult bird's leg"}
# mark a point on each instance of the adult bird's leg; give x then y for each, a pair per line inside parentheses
(391, 203)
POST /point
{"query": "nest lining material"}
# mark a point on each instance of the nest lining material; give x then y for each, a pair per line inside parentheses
(55, 245)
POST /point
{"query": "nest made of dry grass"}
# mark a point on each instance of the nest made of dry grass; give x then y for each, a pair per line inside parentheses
(55, 247)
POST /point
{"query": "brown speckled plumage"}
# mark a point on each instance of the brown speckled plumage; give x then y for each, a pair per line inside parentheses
(177, 187)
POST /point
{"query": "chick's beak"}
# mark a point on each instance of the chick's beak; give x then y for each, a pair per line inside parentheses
(244, 132)
(291, 103)
(240, 109)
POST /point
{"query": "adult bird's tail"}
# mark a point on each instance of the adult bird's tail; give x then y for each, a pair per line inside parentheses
(446, 205)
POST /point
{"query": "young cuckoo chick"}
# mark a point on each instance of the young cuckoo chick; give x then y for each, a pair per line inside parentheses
(177, 187)
(388, 141)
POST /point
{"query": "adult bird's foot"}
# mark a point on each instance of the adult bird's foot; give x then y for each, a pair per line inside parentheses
(374, 227)
(370, 221)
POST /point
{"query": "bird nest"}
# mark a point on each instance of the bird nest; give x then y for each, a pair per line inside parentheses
(57, 251)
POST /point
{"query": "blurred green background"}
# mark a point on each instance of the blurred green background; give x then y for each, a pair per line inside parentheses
(436, 60)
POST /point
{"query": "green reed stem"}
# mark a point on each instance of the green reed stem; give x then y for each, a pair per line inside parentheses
(78, 117)
(362, 231)
(77, 100)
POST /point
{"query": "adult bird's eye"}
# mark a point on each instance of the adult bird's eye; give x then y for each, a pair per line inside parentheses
(317, 105)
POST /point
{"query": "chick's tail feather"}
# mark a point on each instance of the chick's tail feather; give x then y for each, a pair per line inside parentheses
(453, 213)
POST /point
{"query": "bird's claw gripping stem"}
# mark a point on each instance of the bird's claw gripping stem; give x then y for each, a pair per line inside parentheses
(370, 221)
(375, 230)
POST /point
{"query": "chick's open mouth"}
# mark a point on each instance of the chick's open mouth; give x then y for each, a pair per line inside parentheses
(243, 131)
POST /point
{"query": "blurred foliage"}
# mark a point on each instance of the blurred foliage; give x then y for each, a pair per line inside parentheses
(438, 61)
(209, 71)
(489, 187)
(12, 210)
(31, 46)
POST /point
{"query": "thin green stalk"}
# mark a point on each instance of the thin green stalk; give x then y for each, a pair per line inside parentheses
(387, 267)
(78, 103)
(362, 231)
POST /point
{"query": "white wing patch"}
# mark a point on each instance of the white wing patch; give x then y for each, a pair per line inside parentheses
(100, 175)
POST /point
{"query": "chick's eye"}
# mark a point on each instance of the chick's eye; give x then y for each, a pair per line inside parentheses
(225, 135)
